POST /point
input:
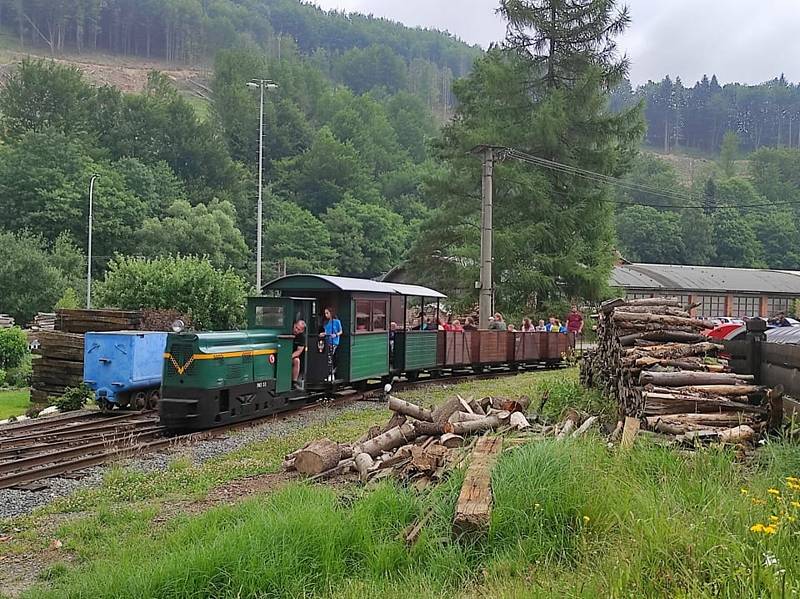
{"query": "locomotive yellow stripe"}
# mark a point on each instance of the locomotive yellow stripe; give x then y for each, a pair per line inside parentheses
(232, 354)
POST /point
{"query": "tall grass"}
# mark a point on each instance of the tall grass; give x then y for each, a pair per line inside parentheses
(570, 519)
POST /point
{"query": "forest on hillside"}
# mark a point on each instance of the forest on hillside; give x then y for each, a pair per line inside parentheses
(697, 117)
(359, 51)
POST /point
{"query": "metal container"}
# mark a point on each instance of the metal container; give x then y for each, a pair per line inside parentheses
(124, 367)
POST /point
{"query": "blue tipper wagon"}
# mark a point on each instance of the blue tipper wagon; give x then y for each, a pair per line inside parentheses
(124, 368)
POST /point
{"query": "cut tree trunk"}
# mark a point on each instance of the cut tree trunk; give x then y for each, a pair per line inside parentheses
(474, 506)
(465, 428)
(318, 456)
(738, 434)
(464, 417)
(364, 464)
(442, 412)
(683, 379)
(391, 439)
(409, 409)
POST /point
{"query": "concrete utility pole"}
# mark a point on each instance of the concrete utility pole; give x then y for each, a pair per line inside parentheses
(89, 248)
(262, 84)
(486, 284)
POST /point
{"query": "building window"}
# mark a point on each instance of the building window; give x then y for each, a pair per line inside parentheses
(778, 304)
(633, 296)
(710, 305)
(746, 305)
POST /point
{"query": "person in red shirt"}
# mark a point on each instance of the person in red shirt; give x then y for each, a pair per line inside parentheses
(574, 321)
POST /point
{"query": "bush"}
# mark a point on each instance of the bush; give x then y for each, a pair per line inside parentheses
(13, 347)
(214, 299)
(68, 301)
(74, 398)
(21, 375)
(2, 377)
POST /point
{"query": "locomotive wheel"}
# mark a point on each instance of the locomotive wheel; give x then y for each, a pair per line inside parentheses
(153, 398)
(104, 405)
(412, 376)
(139, 400)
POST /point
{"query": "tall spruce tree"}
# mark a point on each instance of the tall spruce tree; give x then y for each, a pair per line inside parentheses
(546, 93)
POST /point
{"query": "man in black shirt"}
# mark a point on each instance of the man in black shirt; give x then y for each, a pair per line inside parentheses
(298, 348)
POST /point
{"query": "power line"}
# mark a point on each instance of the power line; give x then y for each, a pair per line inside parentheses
(630, 185)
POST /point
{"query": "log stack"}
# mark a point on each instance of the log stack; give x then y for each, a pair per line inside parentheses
(43, 321)
(59, 366)
(6, 321)
(652, 357)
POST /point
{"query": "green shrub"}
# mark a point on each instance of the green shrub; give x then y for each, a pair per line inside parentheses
(214, 299)
(68, 301)
(3, 377)
(74, 398)
(13, 347)
(21, 375)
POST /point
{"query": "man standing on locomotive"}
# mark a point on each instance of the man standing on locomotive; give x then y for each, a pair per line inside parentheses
(298, 348)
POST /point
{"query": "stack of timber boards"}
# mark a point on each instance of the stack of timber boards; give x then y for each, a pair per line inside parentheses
(6, 322)
(84, 321)
(652, 357)
(43, 321)
(59, 366)
(61, 362)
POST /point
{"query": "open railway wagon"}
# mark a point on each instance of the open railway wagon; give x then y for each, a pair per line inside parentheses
(217, 378)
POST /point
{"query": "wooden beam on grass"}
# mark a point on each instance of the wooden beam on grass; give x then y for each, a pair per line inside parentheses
(474, 506)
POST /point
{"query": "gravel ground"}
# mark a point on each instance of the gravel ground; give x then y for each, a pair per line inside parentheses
(18, 503)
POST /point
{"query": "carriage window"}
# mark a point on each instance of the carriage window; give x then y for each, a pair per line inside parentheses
(270, 317)
(362, 315)
(379, 316)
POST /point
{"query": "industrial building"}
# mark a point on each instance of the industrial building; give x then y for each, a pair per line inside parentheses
(719, 291)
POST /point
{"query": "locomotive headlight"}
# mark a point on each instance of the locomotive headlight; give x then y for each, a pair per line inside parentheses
(387, 388)
(178, 326)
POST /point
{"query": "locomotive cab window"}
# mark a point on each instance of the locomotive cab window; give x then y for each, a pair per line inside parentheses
(269, 317)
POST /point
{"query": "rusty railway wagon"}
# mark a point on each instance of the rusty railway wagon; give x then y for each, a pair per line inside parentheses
(222, 377)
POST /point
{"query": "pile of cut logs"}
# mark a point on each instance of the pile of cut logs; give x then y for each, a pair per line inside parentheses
(419, 446)
(6, 321)
(652, 357)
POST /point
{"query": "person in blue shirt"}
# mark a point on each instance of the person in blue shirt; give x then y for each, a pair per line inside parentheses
(332, 332)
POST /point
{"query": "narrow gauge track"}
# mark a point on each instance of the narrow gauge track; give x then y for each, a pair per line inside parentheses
(67, 445)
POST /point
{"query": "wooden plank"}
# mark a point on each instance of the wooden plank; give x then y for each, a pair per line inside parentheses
(474, 506)
(629, 431)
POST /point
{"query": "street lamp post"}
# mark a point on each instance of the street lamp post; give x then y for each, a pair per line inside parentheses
(89, 249)
(262, 84)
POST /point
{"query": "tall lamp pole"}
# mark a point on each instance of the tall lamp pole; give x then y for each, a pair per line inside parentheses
(89, 252)
(262, 84)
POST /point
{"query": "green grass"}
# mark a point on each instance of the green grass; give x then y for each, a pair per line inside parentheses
(571, 519)
(14, 403)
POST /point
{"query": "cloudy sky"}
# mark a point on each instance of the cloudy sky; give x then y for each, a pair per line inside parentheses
(739, 40)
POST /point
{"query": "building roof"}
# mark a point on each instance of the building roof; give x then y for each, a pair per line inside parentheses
(673, 277)
(348, 284)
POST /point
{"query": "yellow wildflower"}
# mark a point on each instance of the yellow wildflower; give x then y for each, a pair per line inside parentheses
(758, 501)
(775, 518)
(791, 518)
(744, 491)
(770, 530)
(795, 504)
(773, 492)
(586, 519)
(757, 527)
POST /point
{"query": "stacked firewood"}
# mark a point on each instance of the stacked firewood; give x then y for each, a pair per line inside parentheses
(652, 357)
(6, 321)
